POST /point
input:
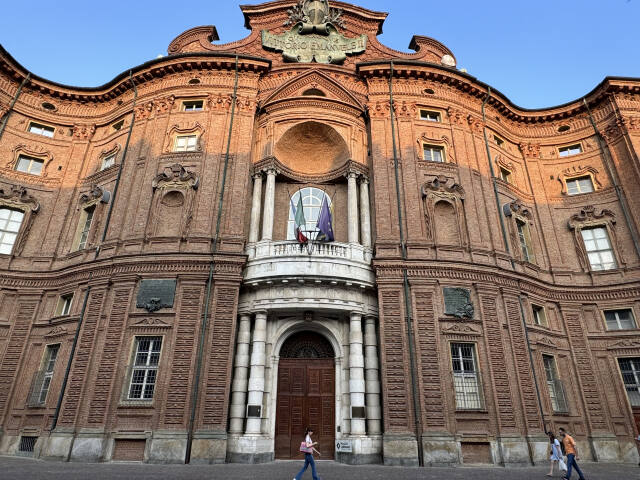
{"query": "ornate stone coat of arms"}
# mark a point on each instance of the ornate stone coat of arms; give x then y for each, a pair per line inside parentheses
(314, 36)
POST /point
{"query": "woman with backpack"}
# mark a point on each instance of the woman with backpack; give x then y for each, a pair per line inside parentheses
(306, 447)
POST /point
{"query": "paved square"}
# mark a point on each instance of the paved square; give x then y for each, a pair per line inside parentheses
(27, 469)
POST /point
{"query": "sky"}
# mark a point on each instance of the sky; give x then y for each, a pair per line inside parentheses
(539, 53)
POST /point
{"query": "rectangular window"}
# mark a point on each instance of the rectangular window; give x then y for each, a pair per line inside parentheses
(50, 356)
(84, 227)
(556, 388)
(118, 125)
(598, 247)
(108, 161)
(576, 186)
(185, 143)
(466, 380)
(41, 129)
(524, 236)
(570, 150)
(429, 115)
(193, 106)
(505, 175)
(433, 153)
(620, 319)
(64, 305)
(630, 369)
(144, 370)
(30, 165)
(539, 315)
(498, 140)
(10, 222)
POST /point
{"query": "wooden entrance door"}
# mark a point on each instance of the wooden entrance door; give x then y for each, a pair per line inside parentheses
(306, 397)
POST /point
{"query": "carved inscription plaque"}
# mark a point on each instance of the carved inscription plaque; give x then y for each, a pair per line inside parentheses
(457, 302)
(332, 48)
(156, 294)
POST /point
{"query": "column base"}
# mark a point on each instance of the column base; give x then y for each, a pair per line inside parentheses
(209, 448)
(367, 450)
(440, 450)
(250, 449)
(400, 450)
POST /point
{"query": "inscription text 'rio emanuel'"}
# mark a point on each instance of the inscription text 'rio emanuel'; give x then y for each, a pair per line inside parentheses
(314, 36)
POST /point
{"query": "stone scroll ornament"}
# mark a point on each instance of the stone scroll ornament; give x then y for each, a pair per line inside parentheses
(314, 36)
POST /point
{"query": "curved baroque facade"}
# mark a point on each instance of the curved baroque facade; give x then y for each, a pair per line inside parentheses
(482, 285)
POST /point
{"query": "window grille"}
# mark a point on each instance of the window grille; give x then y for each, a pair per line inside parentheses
(576, 186)
(556, 388)
(27, 444)
(10, 222)
(311, 203)
(598, 247)
(466, 380)
(630, 368)
(620, 319)
(144, 370)
(433, 153)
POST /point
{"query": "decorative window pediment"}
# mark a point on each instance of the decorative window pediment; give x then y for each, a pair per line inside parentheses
(443, 142)
(184, 131)
(520, 230)
(577, 172)
(38, 153)
(444, 214)
(18, 199)
(108, 157)
(604, 222)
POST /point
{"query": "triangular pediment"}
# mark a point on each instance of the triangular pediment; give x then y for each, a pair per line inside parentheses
(304, 85)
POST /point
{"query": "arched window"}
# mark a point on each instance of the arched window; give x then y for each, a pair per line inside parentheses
(311, 202)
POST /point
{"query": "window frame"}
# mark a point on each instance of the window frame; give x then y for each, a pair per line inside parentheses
(433, 148)
(535, 310)
(312, 219)
(43, 128)
(567, 182)
(505, 175)
(437, 114)
(4, 232)
(599, 251)
(568, 148)
(117, 125)
(634, 362)
(189, 103)
(48, 366)
(195, 136)
(498, 140)
(462, 403)
(110, 156)
(63, 307)
(555, 387)
(147, 367)
(525, 243)
(85, 222)
(31, 160)
(615, 311)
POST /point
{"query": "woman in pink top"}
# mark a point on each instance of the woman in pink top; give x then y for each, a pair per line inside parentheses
(307, 448)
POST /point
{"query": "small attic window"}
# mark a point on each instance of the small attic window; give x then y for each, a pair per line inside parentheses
(48, 106)
(194, 81)
(429, 91)
(564, 128)
(314, 92)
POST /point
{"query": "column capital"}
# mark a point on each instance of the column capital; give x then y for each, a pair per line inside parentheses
(261, 313)
(257, 175)
(355, 313)
(364, 180)
(244, 313)
(271, 171)
(352, 174)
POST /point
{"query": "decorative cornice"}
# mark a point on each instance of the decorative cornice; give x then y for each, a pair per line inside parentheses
(18, 196)
(588, 216)
(274, 163)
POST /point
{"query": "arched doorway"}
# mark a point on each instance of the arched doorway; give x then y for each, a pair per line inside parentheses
(306, 395)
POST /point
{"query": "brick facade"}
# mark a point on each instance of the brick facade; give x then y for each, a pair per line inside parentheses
(155, 216)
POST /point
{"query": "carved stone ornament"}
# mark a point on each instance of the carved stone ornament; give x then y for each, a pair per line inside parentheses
(83, 132)
(314, 36)
(95, 194)
(440, 188)
(457, 302)
(152, 322)
(530, 150)
(175, 176)
(56, 331)
(458, 329)
(154, 295)
(518, 209)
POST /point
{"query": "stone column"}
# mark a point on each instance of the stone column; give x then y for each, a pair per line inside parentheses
(256, 376)
(255, 208)
(356, 373)
(372, 377)
(240, 381)
(352, 207)
(365, 213)
(269, 205)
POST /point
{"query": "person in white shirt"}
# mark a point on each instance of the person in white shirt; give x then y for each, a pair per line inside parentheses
(556, 452)
(307, 448)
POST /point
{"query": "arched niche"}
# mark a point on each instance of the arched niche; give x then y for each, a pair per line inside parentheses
(312, 148)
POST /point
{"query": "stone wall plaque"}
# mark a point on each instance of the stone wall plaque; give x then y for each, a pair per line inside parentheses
(254, 411)
(457, 302)
(358, 412)
(156, 294)
(344, 446)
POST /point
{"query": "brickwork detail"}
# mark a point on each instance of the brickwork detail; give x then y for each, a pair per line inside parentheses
(104, 385)
(15, 347)
(433, 411)
(586, 371)
(83, 357)
(499, 376)
(183, 356)
(523, 366)
(220, 358)
(396, 411)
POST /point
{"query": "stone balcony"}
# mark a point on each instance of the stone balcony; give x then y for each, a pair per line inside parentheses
(284, 262)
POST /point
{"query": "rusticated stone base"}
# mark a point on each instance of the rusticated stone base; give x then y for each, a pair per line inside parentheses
(57, 446)
(515, 451)
(209, 448)
(440, 450)
(167, 447)
(400, 450)
(250, 449)
(367, 450)
(88, 447)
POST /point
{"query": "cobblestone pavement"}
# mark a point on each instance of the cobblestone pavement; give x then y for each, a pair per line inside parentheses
(27, 469)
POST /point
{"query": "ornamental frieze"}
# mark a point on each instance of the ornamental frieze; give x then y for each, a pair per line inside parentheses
(314, 36)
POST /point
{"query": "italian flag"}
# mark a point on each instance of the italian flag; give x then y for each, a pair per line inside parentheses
(298, 215)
